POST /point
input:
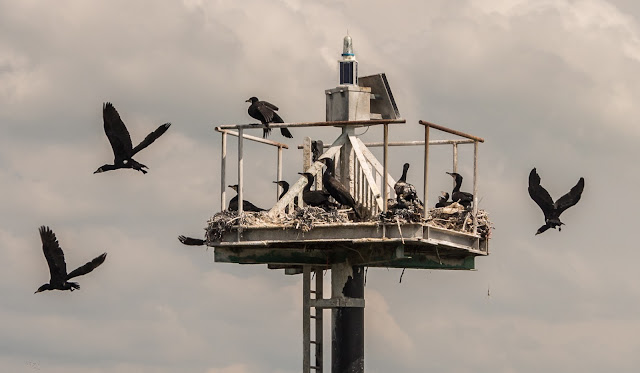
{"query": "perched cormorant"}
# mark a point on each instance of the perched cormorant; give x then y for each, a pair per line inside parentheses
(265, 112)
(463, 198)
(552, 210)
(405, 192)
(338, 191)
(317, 198)
(57, 266)
(120, 140)
(246, 205)
(317, 149)
(191, 241)
(443, 200)
(285, 188)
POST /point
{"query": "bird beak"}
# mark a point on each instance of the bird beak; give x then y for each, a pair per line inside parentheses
(248, 100)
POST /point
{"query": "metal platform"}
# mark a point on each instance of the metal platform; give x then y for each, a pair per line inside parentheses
(408, 245)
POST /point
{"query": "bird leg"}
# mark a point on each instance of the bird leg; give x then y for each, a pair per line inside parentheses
(73, 286)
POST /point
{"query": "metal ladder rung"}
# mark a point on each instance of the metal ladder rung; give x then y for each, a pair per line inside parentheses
(315, 367)
(313, 342)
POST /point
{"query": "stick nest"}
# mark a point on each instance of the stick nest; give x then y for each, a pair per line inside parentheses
(303, 219)
(457, 218)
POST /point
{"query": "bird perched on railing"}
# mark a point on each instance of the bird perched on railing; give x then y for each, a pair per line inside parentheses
(265, 112)
(120, 140)
(317, 198)
(58, 267)
(463, 198)
(335, 188)
(552, 210)
(246, 205)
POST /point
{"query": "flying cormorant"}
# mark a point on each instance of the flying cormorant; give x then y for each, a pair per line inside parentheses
(265, 112)
(338, 191)
(443, 200)
(191, 241)
(57, 266)
(552, 210)
(120, 140)
(463, 198)
(317, 198)
(246, 205)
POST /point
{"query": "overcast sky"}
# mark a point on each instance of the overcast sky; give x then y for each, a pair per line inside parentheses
(552, 84)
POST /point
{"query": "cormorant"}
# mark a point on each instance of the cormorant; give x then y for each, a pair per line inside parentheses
(285, 188)
(120, 140)
(404, 191)
(191, 241)
(317, 198)
(317, 149)
(57, 266)
(265, 112)
(246, 205)
(335, 188)
(552, 210)
(463, 198)
(443, 200)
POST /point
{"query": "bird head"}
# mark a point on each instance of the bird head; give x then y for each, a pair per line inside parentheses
(234, 187)
(252, 99)
(281, 183)
(100, 170)
(43, 288)
(455, 175)
(307, 175)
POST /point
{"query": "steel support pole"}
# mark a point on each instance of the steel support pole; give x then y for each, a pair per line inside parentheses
(426, 169)
(240, 171)
(347, 339)
(223, 172)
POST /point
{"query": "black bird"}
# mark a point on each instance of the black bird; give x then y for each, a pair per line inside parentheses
(120, 140)
(285, 188)
(57, 266)
(191, 241)
(552, 210)
(463, 198)
(317, 198)
(404, 191)
(317, 149)
(246, 205)
(335, 188)
(265, 112)
(443, 200)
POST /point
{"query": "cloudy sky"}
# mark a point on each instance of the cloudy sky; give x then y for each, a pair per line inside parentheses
(550, 84)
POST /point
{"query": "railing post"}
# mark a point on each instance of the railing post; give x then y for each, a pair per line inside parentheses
(475, 188)
(426, 169)
(385, 177)
(279, 171)
(223, 173)
(240, 169)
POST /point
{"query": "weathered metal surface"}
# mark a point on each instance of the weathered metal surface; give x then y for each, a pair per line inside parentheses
(451, 131)
(334, 123)
(254, 138)
(347, 337)
(414, 245)
(382, 101)
(348, 103)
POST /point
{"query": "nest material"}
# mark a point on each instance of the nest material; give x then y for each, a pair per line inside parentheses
(457, 218)
(303, 219)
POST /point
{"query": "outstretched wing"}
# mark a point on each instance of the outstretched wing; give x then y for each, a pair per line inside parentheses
(83, 270)
(266, 111)
(270, 105)
(570, 198)
(116, 132)
(54, 255)
(191, 241)
(151, 138)
(538, 193)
